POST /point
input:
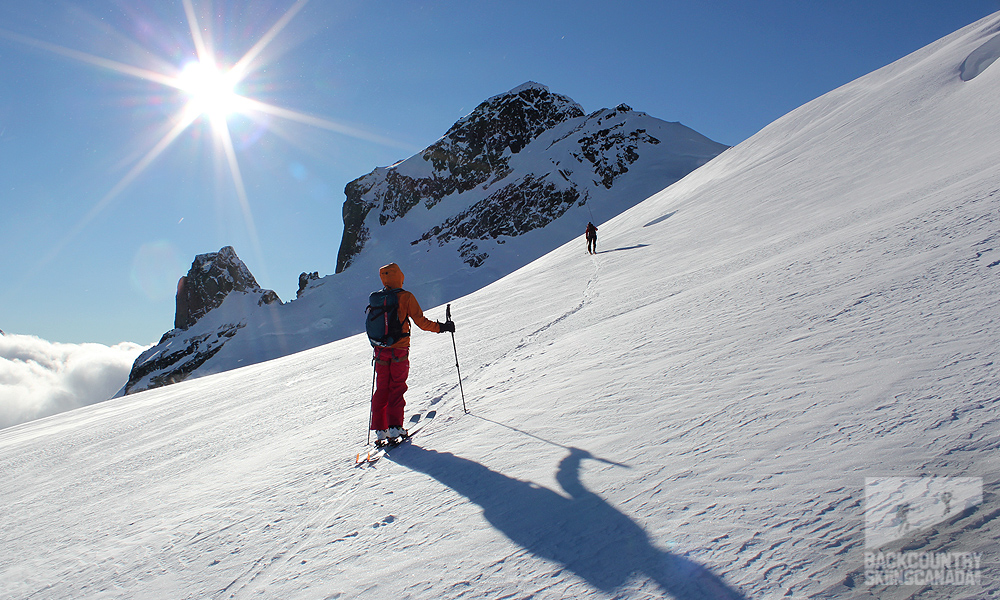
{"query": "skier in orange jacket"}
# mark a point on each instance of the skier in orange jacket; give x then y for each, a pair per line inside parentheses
(392, 363)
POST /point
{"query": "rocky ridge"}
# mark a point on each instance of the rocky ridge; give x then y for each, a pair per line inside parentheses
(211, 280)
(472, 152)
(519, 176)
(515, 164)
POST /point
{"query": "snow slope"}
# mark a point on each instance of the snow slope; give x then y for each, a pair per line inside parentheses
(452, 224)
(691, 413)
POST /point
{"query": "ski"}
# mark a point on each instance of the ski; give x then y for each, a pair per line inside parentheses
(370, 456)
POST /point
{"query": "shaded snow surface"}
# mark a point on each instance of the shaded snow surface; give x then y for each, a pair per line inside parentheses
(691, 413)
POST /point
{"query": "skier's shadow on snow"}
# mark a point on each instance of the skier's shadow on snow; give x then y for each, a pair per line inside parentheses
(583, 532)
(636, 247)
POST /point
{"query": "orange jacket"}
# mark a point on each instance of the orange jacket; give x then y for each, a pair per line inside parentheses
(409, 308)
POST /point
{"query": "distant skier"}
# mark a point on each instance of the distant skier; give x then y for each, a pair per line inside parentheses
(591, 238)
(388, 324)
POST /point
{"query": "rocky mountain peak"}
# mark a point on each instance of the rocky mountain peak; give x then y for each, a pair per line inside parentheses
(519, 161)
(211, 278)
(473, 151)
(503, 124)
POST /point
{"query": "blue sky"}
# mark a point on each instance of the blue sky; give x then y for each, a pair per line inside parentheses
(100, 215)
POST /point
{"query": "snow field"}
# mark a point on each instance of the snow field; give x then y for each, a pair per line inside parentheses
(690, 413)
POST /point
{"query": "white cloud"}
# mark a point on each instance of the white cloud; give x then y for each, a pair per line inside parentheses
(40, 378)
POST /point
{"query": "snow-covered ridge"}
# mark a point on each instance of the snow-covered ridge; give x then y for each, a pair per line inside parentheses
(501, 151)
(981, 58)
(521, 174)
(527, 85)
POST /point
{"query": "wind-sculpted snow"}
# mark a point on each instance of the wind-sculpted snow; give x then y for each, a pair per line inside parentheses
(981, 58)
(694, 412)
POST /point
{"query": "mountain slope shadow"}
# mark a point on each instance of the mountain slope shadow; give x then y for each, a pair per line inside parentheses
(583, 532)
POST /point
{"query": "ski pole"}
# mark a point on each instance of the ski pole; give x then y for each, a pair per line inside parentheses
(447, 317)
(370, 401)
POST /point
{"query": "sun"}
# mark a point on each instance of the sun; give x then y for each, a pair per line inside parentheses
(211, 91)
(211, 95)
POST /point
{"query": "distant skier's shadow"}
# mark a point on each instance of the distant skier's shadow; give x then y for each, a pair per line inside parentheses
(636, 247)
(584, 533)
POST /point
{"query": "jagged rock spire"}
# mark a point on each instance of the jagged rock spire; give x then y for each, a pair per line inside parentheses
(211, 277)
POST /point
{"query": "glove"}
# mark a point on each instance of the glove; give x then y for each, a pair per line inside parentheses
(446, 326)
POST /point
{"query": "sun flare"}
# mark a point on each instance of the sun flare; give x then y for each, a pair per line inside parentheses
(211, 95)
(211, 91)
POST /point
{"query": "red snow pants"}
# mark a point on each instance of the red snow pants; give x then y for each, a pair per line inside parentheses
(392, 366)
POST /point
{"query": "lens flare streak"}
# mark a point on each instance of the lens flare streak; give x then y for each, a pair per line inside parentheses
(179, 128)
(212, 96)
(97, 61)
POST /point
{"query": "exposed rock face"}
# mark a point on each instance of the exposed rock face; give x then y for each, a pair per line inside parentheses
(516, 208)
(159, 367)
(304, 280)
(212, 279)
(475, 150)
(515, 164)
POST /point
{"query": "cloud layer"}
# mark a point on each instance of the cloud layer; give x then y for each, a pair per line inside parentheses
(40, 378)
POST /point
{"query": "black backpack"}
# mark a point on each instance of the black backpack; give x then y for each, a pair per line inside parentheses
(382, 321)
